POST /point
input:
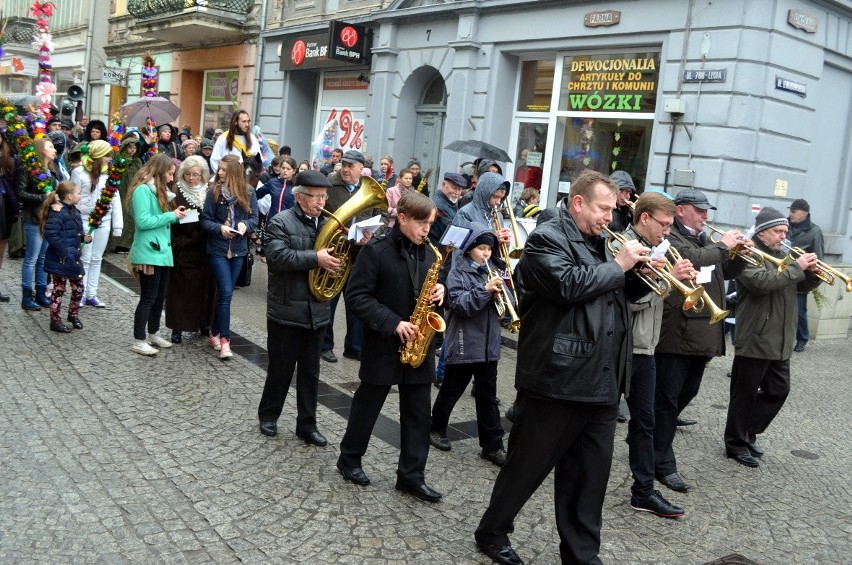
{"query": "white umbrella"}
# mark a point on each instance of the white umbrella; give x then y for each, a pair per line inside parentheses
(160, 110)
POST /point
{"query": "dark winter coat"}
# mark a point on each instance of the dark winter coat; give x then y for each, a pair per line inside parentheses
(621, 218)
(575, 342)
(30, 197)
(473, 325)
(216, 214)
(807, 236)
(446, 213)
(382, 291)
(290, 256)
(767, 308)
(689, 332)
(63, 232)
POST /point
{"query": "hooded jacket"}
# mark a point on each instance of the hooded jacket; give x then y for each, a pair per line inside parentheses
(478, 213)
(89, 196)
(473, 325)
(63, 232)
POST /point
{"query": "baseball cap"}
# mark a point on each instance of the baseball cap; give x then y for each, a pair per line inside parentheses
(694, 197)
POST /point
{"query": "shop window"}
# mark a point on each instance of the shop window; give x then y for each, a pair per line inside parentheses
(529, 157)
(221, 91)
(536, 86)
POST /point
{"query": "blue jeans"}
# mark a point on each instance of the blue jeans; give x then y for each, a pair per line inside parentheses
(225, 272)
(802, 333)
(36, 248)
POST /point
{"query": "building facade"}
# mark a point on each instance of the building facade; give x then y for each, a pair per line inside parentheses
(749, 102)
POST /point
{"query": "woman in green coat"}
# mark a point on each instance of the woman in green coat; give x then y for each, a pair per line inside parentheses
(151, 254)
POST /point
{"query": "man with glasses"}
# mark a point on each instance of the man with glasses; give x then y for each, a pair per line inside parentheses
(687, 338)
(447, 201)
(653, 221)
(295, 321)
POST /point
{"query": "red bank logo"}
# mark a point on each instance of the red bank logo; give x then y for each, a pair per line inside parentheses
(348, 36)
(297, 55)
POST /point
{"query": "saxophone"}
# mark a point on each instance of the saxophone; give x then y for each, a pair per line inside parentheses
(413, 352)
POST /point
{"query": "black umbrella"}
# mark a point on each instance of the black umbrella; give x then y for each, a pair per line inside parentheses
(479, 149)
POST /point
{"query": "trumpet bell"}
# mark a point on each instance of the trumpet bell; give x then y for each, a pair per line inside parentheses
(692, 298)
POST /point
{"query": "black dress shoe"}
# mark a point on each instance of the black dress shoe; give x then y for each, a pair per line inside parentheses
(674, 482)
(354, 355)
(755, 450)
(269, 428)
(75, 322)
(59, 327)
(329, 356)
(744, 459)
(312, 437)
(4, 297)
(177, 337)
(502, 554)
(686, 421)
(354, 474)
(497, 457)
(421, 491)
(657, 505)
(799, 348)
(439, 441)
(621, 418)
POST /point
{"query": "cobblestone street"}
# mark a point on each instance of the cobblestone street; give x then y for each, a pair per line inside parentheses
(110, 457)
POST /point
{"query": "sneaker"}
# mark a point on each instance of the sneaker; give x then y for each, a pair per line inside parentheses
(93, 301)
(439, 441)
(799, 347)
(657, 505)
(225, 349)
(157, 341)
(215, 341)
(497, 457)
(142, 347)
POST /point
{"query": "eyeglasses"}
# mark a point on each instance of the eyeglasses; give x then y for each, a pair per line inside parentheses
(664, 225)
(192, 175)
(315, 196)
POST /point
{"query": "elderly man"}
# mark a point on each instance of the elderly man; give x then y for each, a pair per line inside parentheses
(807, 236)
(344, 183)
(295, 321)
(766, 318)
(574, 359)
(447, 201)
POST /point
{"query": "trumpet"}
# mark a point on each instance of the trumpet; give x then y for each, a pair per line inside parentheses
(518, 249)
(825, 272)
(756, 257)
(505, 254)
(503, 303)
(704, 300)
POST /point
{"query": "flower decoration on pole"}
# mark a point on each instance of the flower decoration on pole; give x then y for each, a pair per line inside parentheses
(33, 163)
(116, 169)
(116, 131)
(150, 76)
(43, 42)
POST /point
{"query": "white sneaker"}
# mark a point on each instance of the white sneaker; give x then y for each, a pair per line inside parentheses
(143, 348)
(215, 341)
(225, 349)
(156, 340)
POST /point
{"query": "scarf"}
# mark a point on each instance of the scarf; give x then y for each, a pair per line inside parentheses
(195, 195)
(242, 146)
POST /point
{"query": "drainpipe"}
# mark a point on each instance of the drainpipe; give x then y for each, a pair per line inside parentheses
(88, 57)
(258, 66)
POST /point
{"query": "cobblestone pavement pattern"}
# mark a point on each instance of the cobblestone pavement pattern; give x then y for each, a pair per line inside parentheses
(108, 457)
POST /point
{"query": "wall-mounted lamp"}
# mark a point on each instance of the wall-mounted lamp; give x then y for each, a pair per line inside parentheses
(363, 78)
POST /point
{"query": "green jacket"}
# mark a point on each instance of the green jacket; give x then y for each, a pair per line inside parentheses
(767, 310)
(152, 244)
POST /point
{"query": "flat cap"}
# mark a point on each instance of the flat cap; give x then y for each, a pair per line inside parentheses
(353, 156)
(456, 179)
(312, 178)
(694, 197)
(800, 204)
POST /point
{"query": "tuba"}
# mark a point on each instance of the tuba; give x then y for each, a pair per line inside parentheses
(414, 351)
(324, 285)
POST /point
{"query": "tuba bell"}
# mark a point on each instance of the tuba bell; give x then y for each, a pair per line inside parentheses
(323, 284)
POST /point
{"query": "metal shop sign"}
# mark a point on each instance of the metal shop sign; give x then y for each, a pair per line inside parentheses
(603, 18)
(803, 21)
(791, 86)
(304, 52)
(114, 75)
(611, 83)
(347, 42)
(706, 75)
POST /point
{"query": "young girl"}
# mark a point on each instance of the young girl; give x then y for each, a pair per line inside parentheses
(230, 213)
(62, 228)
(151, 253)
(281, 188)
(91, 176)
(394, 193)
(472, 346)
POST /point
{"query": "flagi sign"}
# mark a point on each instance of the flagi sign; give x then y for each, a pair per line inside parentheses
(612, 83)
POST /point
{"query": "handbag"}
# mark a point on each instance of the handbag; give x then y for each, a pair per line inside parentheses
(244, 278)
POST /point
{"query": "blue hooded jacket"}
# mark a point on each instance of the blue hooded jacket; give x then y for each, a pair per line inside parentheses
(478, 213)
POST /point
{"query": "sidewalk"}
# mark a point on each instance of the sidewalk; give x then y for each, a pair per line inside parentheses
(110, 457)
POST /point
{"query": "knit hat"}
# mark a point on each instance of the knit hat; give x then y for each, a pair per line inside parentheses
(800, 204)
(486, 238)
(207, 143)
(769, 218)
(189, 142)
(99, 148)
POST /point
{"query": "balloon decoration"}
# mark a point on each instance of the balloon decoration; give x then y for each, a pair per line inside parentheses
(43, 43)
(266, 153)
(323, 144)
(27, 153)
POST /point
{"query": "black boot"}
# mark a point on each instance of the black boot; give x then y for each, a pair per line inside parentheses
(40, 298)
(59, 327)
(75, 321)
(27, 302)
(4, 297)
(176, 337)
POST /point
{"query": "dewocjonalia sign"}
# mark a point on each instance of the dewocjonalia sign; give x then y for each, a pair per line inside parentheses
(612, 83)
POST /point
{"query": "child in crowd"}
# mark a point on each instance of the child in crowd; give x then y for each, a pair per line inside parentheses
(62, 229)
(472, 345)
(404, 181)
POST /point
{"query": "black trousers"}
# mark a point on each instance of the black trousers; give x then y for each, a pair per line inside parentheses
(577, 439)
(759, 388)
(640, 428)
(678, 380)
(456, 379)
(288, 347)
(152, 294)
(414, 400)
